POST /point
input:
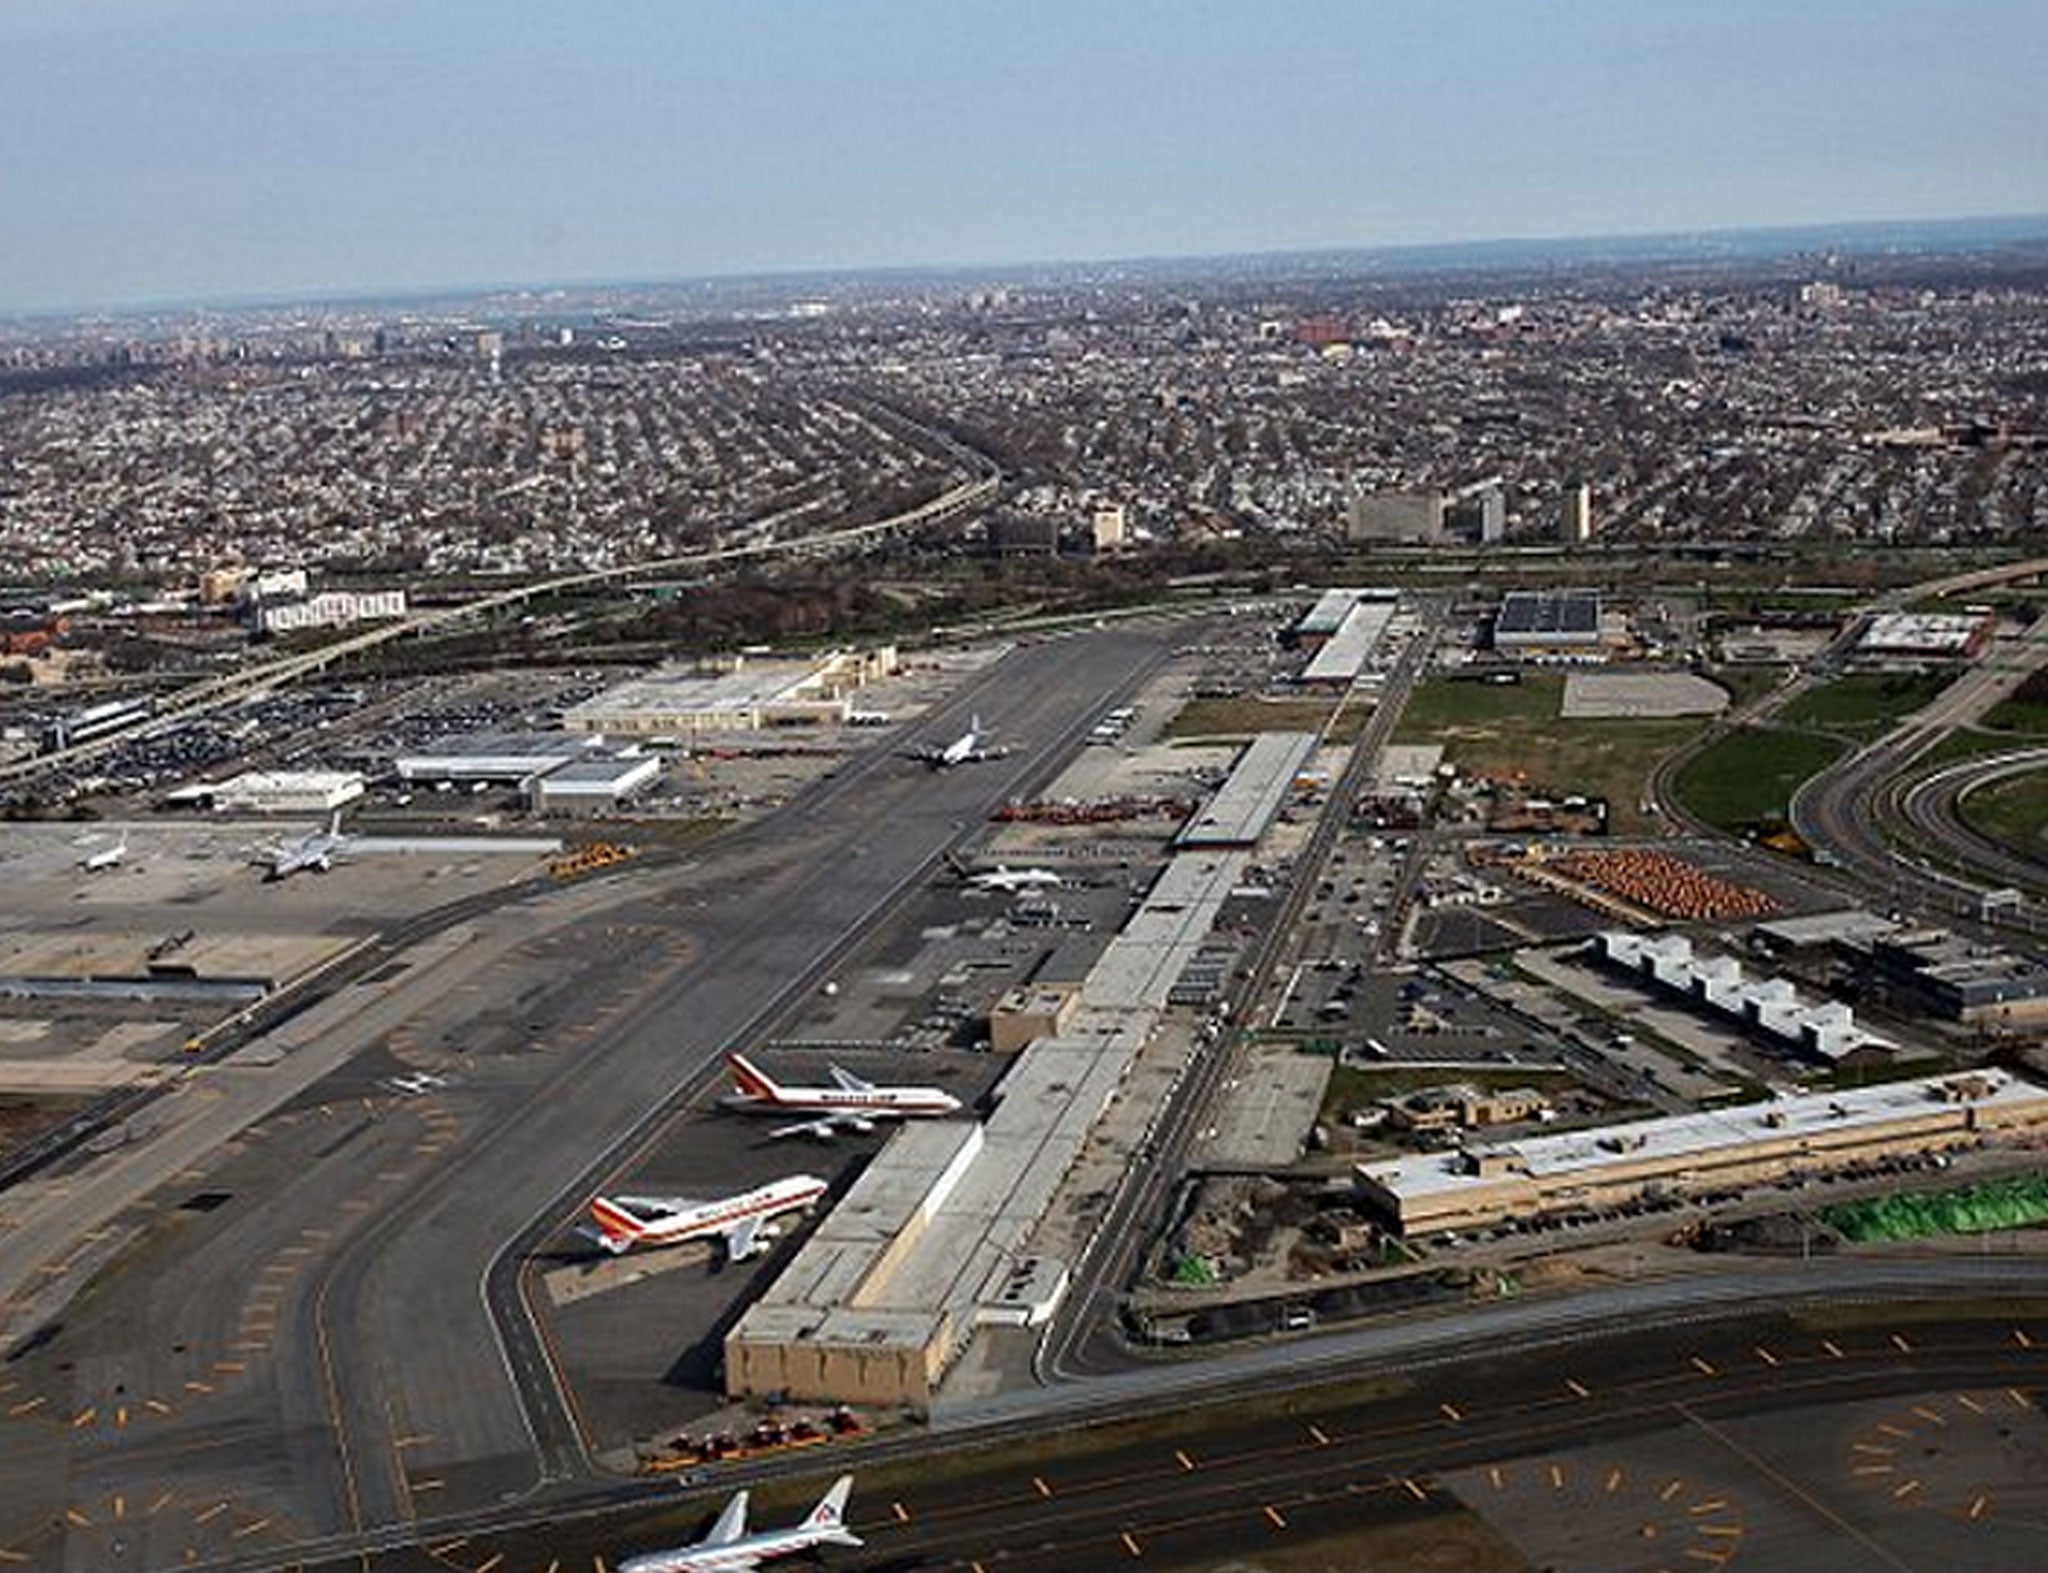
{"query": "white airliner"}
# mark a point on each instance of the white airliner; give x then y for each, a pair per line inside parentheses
(106, 857)
(740, 1221)
(969, 748)
(730, 1549)
(1011, 881)
(849, 1104)
(316, 850)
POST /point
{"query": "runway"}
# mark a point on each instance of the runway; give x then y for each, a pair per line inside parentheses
(359, 1247)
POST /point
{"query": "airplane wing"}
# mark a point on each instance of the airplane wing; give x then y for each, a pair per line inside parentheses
(732, 1523)
(825, 1127)
(846, 1081)
(743, 1239)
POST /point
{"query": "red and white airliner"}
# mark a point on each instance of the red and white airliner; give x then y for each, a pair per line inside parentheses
(741, 1221)
(849, 1104)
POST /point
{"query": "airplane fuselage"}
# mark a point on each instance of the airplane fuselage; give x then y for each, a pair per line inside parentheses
(623, 1224)
(879, 1103)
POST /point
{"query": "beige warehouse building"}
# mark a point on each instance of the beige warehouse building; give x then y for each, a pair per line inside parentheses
(1756, 1143)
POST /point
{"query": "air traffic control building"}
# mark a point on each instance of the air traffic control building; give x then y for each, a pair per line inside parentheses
(936, 1238)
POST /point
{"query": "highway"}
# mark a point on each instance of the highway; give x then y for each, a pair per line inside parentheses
(1930, 805)
(1851, 810)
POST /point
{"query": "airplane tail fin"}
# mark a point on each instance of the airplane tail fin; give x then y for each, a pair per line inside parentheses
(829, 1516)
(751, 1080)
(616, 1227)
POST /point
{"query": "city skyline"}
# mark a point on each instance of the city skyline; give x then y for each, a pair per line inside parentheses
(217, 150)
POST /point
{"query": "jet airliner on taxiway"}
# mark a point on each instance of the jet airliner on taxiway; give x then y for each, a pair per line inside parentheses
(741, 1221)
(849, 1104)
(969, 748)
(106, 858)
(316, 851)
(730, 1549)
(1013, 881)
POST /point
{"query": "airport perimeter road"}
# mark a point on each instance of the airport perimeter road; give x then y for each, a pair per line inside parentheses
(1085, 1338)
(421, 1317)
(1785, 1418)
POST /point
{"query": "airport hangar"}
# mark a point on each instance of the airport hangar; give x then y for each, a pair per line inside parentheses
(747, 695)
(1756, 1143)
(935, 1238)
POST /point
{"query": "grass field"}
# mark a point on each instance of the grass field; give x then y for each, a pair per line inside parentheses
(1864, 703)
(2017, 718)
(1441, 703)
(1745, 683)
(1513, 731)
(1966, 743)
(1243, 716)
(1747, 778)
(2013, 811)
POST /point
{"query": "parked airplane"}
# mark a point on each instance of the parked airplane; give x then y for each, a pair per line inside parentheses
(1011, 881)
(969, 748)
(740, 1221)
(849, 1104)
(316, 850)
(106, 857)
(730, 1549)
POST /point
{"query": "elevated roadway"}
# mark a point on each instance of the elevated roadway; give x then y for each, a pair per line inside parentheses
(764, 543)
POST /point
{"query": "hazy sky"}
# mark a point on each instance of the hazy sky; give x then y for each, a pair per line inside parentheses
(172, 149)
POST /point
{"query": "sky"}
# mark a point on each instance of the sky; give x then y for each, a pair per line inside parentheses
(172, 150)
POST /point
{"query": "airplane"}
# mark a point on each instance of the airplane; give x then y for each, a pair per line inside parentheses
(849, 1104)
(969, 748)
(316, 850)
(106, 857)
(1012, 881)
(741, 1221)
(730, 1549)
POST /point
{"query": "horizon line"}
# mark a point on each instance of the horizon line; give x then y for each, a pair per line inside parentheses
(394, 294)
